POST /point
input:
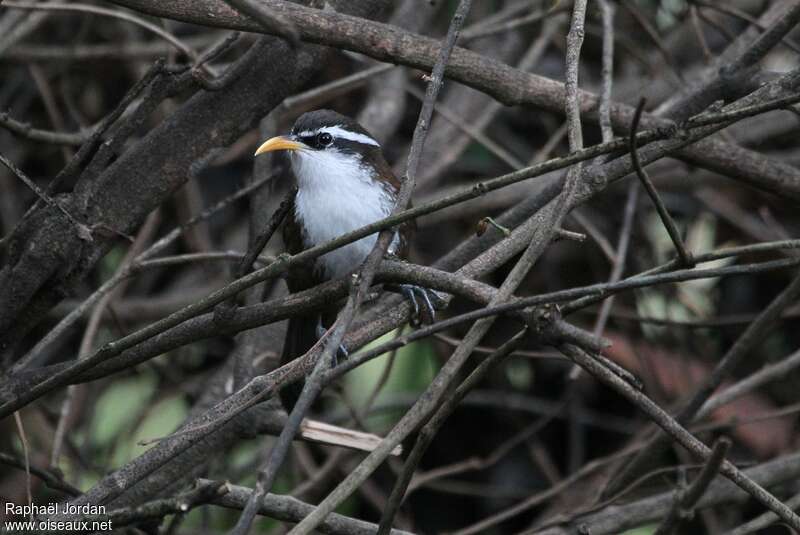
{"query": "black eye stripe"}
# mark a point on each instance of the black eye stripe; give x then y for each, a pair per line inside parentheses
(317, 140)
(323, 139)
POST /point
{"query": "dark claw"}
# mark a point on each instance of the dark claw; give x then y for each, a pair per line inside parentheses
(408, 292)
(428, 304)
(411, 291)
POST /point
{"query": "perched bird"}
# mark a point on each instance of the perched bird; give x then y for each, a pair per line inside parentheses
(343, 183)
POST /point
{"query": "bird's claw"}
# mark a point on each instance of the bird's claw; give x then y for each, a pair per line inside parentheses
(411, 291)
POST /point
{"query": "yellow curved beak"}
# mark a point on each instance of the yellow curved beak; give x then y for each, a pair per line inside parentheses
(279, 143)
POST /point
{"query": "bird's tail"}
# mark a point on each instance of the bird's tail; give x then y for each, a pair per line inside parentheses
(301, 335)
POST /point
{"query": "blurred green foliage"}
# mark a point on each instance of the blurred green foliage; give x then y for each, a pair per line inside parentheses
(129, 412)
(414, 367)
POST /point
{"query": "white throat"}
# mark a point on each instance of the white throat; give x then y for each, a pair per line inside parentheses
(337, 194)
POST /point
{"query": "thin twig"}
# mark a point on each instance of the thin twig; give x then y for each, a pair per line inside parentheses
(620, 257)
(26, 454)
(46, 136)
(202, 72)
(698, 32)
(320, 94)
(452, 117)
(148, 50)
(769, 372)
(607, 9)
(262, 239)
(685, 501)
(663, 213)
(607, 133)
(49, 101)
(83, 231)
(593, 232)
(763, 521)
(723, 30)
(652, 33)
(485, 30)
(97, 10)
(764, 42)
(621, 253)
(733, 11)
(52, 480)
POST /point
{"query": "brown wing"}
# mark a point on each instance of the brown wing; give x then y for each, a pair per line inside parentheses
(299, 277)
(405, 230)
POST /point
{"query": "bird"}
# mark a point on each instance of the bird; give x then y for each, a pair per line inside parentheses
(343, 183)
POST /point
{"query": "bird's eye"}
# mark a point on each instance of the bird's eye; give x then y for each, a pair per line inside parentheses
(324, 139)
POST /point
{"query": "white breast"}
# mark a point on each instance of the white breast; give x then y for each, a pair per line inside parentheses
(337, 195)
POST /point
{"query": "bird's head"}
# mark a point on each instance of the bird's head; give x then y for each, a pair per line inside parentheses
(325, 146)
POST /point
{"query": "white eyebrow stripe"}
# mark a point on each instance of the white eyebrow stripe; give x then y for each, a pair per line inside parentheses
(338, 131)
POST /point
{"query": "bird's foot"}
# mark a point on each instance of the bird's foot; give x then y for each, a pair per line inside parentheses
(341, 353)
(422, 309)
